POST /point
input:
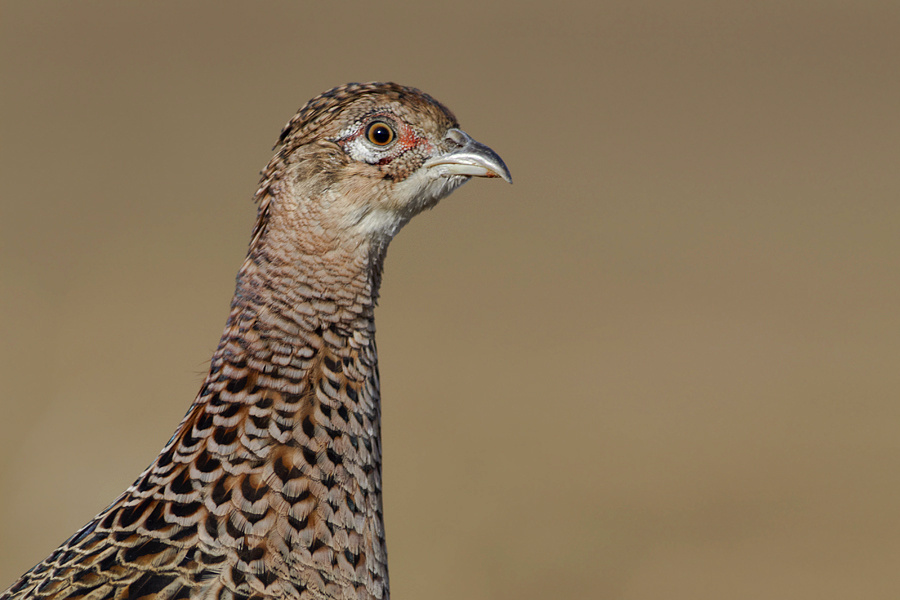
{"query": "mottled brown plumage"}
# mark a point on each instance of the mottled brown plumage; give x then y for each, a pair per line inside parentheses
(271, 485)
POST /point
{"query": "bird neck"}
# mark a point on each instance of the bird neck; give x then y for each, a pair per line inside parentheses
(283, 442)
(282, 293)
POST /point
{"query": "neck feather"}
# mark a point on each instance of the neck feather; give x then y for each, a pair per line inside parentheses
(282, 446)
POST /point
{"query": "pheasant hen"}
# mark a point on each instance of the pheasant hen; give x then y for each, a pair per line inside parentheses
(271, 485)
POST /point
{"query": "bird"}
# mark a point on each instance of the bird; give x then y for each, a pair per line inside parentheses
(271, 485)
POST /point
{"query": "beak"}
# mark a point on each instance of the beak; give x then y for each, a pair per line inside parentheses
(471, 158)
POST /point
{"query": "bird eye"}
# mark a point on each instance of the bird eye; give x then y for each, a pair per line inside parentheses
(380, 133)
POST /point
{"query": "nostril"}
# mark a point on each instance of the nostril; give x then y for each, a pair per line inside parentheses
(457, 136)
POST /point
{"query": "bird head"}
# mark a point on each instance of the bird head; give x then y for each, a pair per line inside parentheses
(357, 162)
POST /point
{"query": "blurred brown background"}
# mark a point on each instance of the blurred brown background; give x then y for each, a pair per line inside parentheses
(664, 364)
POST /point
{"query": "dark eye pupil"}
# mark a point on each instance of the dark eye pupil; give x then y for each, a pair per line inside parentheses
(380, 134)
